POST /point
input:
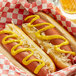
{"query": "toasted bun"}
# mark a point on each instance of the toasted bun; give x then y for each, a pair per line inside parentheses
(13, 61)
(27, 42)
(74, 21)
(60, 59)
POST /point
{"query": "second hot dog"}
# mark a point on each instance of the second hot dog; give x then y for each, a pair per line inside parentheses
(49, 39)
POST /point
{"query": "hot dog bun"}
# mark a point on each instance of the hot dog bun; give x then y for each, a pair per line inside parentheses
(59, 58)
(28, 43)
(73, 20)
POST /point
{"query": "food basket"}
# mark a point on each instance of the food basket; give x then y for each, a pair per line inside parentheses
(15, 11)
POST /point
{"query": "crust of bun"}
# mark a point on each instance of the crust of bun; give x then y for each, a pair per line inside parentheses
(69, 37)
(30, 44)
(74, 21)
(59, 63)
(13, 61)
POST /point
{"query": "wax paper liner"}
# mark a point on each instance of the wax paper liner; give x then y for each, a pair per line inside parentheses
(13, 10)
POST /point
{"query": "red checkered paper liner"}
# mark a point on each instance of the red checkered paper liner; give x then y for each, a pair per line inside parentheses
(8, 69)
(12, 11)
(16, 11)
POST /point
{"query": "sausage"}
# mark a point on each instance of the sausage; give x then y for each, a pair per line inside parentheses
(19, 57)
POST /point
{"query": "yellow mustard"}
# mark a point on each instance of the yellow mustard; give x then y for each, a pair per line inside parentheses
(25, 61)
(56, 47)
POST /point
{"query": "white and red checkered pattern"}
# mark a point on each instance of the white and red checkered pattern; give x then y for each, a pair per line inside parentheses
(8, 69)
(16, 13)
(14, 10)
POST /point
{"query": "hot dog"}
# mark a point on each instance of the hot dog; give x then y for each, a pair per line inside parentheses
(51, 37)
(25, 51)
(13, 61)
